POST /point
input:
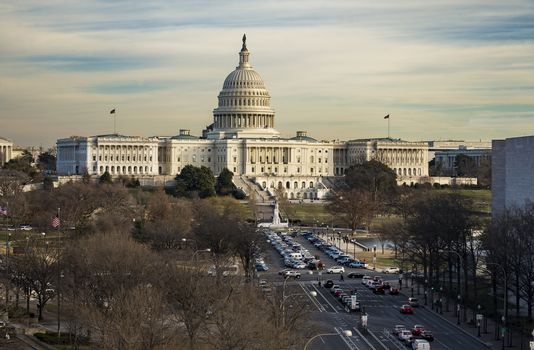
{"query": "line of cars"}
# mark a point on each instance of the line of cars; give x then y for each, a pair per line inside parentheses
(418, 338)
(378, 286)
(333, 252)
(347, 298)
(295, 256)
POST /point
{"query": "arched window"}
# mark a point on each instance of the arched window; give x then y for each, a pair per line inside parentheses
(303, 186)
(263, 184)
(311, 184)
(101, 169)
(295, 185)
(288, 185)
(280, 185)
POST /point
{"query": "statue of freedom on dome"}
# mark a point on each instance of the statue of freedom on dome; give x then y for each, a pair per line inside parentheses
(244, 42)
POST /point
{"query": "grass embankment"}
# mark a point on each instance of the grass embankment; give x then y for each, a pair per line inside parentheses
(316, 213)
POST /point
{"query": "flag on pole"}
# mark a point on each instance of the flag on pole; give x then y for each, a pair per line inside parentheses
(386, 117)
(112, 111)
(56, 222)
(3, 211)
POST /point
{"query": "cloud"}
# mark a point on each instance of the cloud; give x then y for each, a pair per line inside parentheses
(445, 69)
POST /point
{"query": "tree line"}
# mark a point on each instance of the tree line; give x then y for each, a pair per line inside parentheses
(129, 268)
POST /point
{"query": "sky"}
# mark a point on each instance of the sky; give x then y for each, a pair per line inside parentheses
(454, 69)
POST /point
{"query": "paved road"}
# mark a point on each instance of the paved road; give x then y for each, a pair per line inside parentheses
(383, 313)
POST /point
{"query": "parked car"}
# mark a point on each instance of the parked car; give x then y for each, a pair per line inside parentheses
(329, 284)
(355, 275)
(26, 227)
(335, 269)
(406, 309)
(398, 328)
(413, 302)
(394, 291)
(391, 270)
(418, 329)
(357, 264)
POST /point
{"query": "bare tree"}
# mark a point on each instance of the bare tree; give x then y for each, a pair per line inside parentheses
(355, 207)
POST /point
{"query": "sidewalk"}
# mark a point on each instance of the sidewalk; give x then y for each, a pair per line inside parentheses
(487, 334)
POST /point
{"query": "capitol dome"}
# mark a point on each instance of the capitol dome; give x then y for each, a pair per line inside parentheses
(244, 103)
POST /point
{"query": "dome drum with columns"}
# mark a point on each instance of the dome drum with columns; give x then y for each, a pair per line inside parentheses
(244, 104)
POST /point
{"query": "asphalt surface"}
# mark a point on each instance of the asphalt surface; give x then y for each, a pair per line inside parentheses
(382, 310)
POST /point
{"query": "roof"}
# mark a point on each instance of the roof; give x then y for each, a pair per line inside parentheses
(185, 137)
(303, 138)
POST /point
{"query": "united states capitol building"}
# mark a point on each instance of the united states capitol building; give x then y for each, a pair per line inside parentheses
(243, 139)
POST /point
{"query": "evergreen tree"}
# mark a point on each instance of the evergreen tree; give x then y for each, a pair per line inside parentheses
(224, 183)
(105, 178)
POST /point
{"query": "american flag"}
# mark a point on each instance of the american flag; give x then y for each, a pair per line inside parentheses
(56, 222)
(3, 211)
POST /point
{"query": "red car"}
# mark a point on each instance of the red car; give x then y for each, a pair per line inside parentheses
(406, 309)
(418, 329)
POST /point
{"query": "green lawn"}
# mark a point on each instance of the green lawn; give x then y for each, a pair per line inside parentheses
(316, 213)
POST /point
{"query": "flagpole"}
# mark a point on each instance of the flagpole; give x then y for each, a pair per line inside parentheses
(388, 125)
(115, 122)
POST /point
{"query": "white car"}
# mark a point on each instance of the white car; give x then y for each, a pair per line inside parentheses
(291, 273)
(335, 269)
(391, 270)
(405, 336)
(26, 227)
(365, 279)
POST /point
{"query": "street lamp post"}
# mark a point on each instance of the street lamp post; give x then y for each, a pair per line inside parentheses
(374, 257)
(505, 300)
(426, 283)
(460, 282)
(441, 300)
(458, 308)
(478, 320)
(346, 333)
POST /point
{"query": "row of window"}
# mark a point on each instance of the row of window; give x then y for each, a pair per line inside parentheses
(126, 170)
(407, 171)
(123, 158)
(270, 170)
(224, 102)
(287, 185)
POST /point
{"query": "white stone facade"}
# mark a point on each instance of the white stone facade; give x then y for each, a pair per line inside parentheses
(6, 151)
(512, 176)
(242, 138)
(116, 154)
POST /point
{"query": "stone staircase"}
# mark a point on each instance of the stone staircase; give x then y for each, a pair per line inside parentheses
(251, 188)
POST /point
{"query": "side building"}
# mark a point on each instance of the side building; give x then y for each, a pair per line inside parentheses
(512, 173)
(6, 151)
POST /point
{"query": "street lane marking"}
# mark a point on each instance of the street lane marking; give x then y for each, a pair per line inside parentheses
(349, 342)
(378, 340)
(313, 300)
(321, 294)
(371, 347)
